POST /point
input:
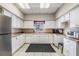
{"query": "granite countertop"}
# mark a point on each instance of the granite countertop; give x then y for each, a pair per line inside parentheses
(73, 39)
(16, 34)
(19, 33)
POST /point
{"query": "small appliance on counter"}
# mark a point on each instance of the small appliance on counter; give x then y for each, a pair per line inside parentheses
(58, 31)
(73, 32)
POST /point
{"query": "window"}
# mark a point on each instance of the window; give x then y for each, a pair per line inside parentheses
(39, 26)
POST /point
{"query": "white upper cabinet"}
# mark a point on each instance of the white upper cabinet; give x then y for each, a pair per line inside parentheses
(7, 13)
(59, 23)
(70, 19)
(20, 23)
(16, 22)
(67, 17)
(74, 17)
(50, 24)
(62, 19)
(28, 24)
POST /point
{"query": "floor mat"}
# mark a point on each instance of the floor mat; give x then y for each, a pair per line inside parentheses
(40, 48)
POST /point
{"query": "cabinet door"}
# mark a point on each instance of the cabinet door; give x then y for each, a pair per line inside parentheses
(72, 48)
(14, 21)
(60, 22)
(21, 23)
(50, 38)
(14, 44)
(31, 38)
(74, 17)
(28, 24)
(50, 24)
(55, 40)
(23, 38)
(65, 48)
(35, 39)
(43, 39)
(27, 38)
(7, 13)
(69, 47)
(18, 22)
(18, 41)
(67, 17)
(60, 38)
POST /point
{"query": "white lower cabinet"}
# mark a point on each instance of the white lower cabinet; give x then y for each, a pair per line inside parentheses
(71, 48)
(17, 42)
(57, 39)
(14, 44)
(46, 38)
(39, 38)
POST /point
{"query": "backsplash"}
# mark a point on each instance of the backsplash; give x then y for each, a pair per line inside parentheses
(16, 30)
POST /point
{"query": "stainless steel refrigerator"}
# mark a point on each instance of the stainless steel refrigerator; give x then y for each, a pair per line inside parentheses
(5, 36)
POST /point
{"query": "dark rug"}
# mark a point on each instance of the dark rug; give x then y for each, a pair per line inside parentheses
(40, 48)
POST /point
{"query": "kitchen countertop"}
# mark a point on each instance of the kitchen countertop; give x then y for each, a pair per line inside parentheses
(46, 33)
(73, 39)
(16, 34)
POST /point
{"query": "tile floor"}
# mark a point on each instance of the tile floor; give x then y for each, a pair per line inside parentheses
(21, 52)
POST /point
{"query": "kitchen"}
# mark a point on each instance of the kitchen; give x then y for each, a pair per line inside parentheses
(41, 26)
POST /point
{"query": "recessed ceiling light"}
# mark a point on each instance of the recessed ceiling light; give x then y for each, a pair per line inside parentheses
(22, 5)
(44, 5)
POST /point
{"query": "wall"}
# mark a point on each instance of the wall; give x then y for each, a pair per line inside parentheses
(39, 17)
(12, 8)
(65, 8)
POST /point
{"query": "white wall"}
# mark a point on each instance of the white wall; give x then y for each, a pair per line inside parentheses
(12, 8)
(28, 24)
(65, 8)
(39, 17)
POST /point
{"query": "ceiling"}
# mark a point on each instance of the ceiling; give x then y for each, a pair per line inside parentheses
(35, 8)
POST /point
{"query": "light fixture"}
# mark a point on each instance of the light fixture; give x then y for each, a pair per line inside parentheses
(24, 5)
(44, 5)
